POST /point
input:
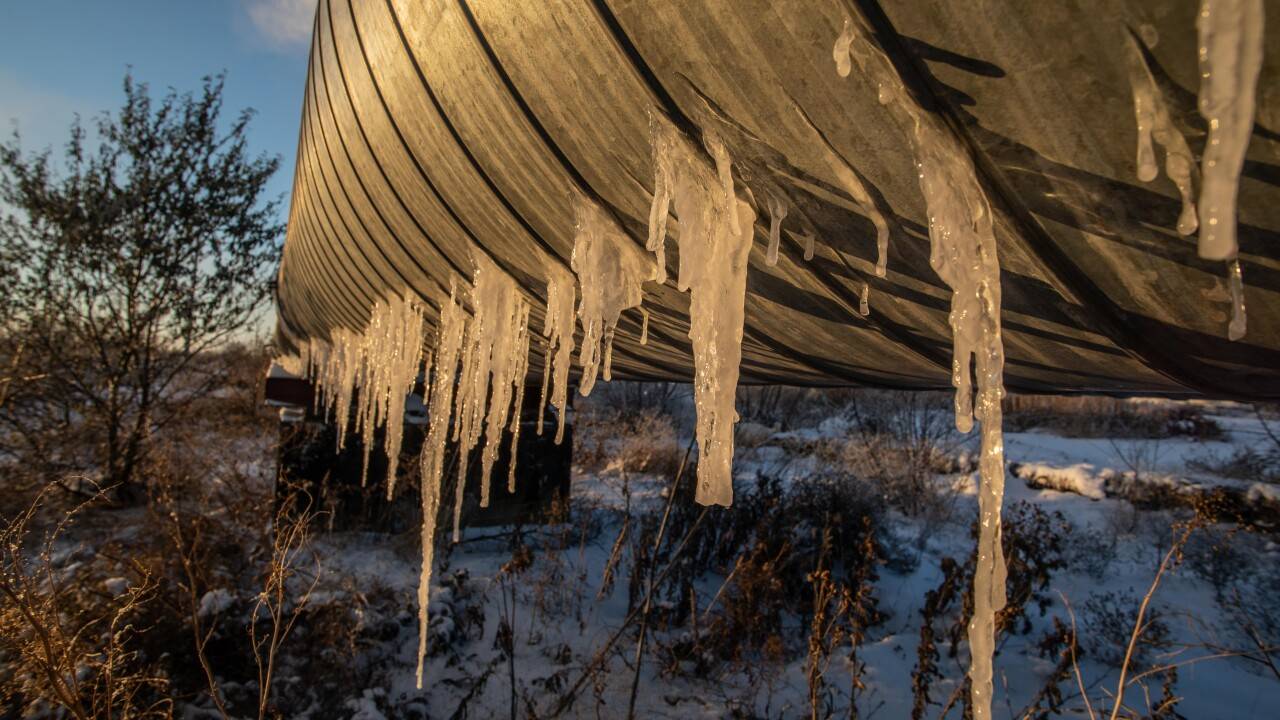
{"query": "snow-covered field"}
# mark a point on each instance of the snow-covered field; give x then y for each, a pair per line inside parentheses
(1208, 616)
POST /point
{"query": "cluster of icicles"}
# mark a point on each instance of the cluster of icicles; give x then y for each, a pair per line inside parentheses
(383, 361)
(477, 373)
(1230, 58)
(964, 254)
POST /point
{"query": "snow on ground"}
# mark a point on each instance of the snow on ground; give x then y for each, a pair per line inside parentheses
(560, 623)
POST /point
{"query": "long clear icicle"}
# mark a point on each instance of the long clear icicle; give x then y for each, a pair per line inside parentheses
(963, 253)
(1230, 53)
(546, 382)
(518, 378)
(453, 321)
(716, 232)
(1154, 122)
(466, 429)
(610, 270)
(558, 330)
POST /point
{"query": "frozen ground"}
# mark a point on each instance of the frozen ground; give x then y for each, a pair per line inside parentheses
(561, 620)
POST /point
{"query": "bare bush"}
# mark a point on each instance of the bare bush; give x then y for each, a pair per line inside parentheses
(643, 441)
(1093, 416)
(1106, 621)
(773, 405)
(69, 630)
(1248, 463)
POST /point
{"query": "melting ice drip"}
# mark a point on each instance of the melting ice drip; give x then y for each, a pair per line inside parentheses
(383, 360)
(493, 371)
(1154, 121)
(610, 269)
(716, 231)
(848, 179)
(557, 328)
(777, 213)
(1230, 49)
(453, 322)
(963, 253)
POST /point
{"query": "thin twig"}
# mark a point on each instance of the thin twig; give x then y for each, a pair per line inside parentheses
(1075, 665)
(1142, 611)
(648, 597)
(567, 699)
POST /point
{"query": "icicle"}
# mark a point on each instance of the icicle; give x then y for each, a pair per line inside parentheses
(546, 383)
(724, 170)
(610, 270)
(395, 358)
(558, 329)
(337, 366)
(644, 326)
(716, 231)
(663, 183)
(1235, 280)
(1152, 115)
(518, 378)
(1231, 34)
(501, 317)
(463, 424)
(606, 369)
(453, 320)
(964, 254)
(864, 306)
(777, 211)
(1231, 37)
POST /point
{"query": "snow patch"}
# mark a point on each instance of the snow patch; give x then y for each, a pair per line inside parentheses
(214, 602)
(1079, 478)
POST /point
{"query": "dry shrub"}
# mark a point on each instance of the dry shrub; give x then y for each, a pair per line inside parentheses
(1106, 417)
(156, 617)
(900, 442)
(1248, 463)
(1107, 622)
(774, 405)
(643, 441)
(556, 586)
(767, 547)
(71, 624)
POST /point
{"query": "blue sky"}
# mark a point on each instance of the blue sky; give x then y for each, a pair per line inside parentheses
(61, 57)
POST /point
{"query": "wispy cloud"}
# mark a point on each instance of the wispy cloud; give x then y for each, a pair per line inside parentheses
(284, 23)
